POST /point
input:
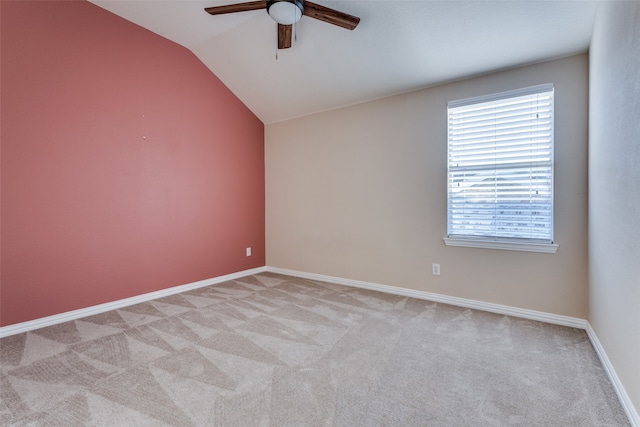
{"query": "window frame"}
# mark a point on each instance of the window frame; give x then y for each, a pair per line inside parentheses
(494, 242)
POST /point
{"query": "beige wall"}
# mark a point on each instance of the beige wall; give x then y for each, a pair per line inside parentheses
(360, 193)
(614, 189)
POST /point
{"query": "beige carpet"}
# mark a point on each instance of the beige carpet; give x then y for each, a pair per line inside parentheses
(272, 350)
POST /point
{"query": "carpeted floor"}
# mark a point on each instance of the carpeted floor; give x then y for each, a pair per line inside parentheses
(272, 350)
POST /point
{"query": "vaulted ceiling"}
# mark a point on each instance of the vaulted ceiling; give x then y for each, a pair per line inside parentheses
(399, 46)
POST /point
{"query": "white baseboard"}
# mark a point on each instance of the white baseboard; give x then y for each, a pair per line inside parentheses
(555, 319)
(446, 299)
(17, 328)
(625, 400)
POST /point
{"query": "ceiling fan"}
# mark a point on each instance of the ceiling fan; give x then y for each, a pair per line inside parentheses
(288, 12)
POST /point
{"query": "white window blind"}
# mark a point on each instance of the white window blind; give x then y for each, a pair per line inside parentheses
(500, 166)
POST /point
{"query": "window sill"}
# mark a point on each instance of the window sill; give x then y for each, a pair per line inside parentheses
(548, 248)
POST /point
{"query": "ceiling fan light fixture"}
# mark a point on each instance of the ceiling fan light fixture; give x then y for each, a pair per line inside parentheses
(285, 12)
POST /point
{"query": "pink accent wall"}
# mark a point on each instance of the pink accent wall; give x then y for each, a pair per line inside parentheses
(127, 166)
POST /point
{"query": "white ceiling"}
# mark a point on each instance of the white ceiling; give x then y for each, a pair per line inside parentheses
(398, 46)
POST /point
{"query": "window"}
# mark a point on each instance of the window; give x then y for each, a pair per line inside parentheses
(500, 171)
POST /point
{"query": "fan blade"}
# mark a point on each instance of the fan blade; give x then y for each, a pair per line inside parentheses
(284, 36)
(238, 7)
(331, 16)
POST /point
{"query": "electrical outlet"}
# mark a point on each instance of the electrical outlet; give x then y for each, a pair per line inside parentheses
(248, 251)
(435, 269)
